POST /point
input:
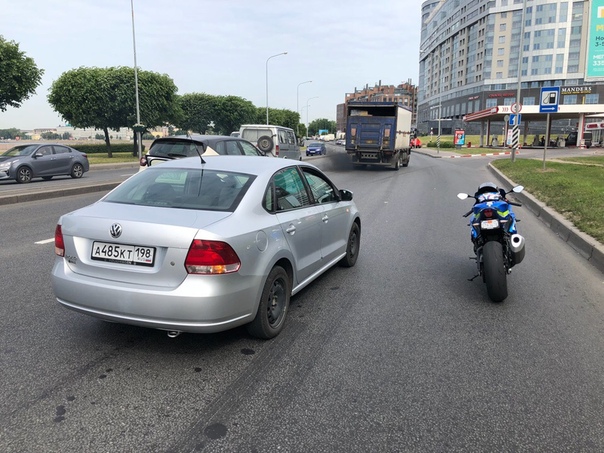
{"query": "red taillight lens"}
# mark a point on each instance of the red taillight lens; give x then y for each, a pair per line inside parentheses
(59, 243)
(211, 257)
(143, 161)
(276, 150)
(488, 213)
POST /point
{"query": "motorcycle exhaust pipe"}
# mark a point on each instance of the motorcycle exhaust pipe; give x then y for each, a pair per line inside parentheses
(517, 247)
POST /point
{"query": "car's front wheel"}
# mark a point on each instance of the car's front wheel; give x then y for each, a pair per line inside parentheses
(273, 307)
(24, 175)
(77, 171)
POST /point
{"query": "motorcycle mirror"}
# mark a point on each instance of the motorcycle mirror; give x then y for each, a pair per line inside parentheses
(462, 196)
(518, 189)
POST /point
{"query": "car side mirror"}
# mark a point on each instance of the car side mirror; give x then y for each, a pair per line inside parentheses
(345, 195)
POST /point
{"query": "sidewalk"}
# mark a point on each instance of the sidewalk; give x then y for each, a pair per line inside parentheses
(585, 245)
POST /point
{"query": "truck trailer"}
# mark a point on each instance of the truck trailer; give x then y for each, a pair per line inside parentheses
(378, 133)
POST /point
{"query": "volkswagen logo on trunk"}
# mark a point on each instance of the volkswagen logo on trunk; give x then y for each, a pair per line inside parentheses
(116, 230)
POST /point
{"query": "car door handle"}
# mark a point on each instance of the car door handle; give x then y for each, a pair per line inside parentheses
(325, 218)
(291, 230)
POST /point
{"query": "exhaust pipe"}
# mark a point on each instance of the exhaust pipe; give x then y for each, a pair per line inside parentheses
(517, 247)
(173, 333)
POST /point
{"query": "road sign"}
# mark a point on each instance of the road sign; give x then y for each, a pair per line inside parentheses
(515, 107)
(513, 118)
(549, 99)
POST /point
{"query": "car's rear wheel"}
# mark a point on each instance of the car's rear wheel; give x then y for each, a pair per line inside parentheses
(352, 247)
(77, 171)
(273, 307)
(265, 143)
(24, 175)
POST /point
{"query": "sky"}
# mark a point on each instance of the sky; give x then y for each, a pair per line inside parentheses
(220, 47)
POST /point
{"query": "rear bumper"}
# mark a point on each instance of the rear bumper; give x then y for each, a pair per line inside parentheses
(202, 304)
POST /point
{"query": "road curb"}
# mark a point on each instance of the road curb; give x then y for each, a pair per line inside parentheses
(585, 245)
(44, 195)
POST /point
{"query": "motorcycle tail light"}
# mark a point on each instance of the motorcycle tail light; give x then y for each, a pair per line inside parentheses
(488, 213)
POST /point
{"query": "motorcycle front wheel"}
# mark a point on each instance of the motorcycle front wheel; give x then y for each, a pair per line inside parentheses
(494, 271)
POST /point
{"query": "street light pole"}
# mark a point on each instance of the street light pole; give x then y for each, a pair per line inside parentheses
(297, 104)
(138, 113)
(516, 128)
(307, 123)
(272, 56)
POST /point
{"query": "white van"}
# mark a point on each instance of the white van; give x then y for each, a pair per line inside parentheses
(276, 141)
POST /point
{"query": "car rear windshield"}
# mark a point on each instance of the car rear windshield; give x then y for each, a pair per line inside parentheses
(210, 190)
(253, 135)
(175, 148)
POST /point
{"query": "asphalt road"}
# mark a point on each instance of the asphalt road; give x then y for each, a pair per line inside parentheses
(399, 353)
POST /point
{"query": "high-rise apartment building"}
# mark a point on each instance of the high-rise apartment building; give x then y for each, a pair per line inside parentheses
(474, 52)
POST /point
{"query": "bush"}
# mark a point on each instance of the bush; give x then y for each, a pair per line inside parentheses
(432, 144)
(101, 148)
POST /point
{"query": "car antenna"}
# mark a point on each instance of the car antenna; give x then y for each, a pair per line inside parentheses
(190, 137)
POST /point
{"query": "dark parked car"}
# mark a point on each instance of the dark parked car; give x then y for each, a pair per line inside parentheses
(179, 146)
(316, 148)
(571, 139)
(42, 160)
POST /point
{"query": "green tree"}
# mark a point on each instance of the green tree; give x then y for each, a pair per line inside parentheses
(198, 110)
(105, 98)
(11, 133)
(278, 117)
(19, 75)
(232, 112)
(50, 136)
(320, 124)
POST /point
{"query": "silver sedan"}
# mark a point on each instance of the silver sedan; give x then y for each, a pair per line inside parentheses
(205, 244)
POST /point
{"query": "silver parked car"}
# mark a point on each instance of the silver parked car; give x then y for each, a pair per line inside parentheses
(42, 160)
(205, 245)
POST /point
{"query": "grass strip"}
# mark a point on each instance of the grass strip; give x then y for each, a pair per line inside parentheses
(575, 191)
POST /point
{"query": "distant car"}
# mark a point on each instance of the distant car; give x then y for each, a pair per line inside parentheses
(316, 148)
(340, 141)
(203, 247)
(235, 134)
(179, 146)
(42, 160)
(275, 141)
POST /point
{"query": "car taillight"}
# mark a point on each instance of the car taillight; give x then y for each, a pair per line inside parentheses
(211, 257)
(276, 150)
(143, 161)
(488, 213)
(59, 243)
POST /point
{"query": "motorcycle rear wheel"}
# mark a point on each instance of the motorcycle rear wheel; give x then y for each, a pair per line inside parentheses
(494, 271)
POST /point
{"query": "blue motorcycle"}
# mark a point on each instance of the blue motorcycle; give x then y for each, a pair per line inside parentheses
(497, 245)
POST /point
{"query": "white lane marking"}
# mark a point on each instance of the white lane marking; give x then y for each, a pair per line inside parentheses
(45, 241)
